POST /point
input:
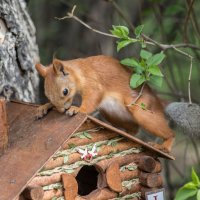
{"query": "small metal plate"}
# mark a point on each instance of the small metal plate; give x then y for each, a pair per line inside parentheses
(158, 194)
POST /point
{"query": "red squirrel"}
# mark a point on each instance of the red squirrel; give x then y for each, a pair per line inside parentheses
(103, 84)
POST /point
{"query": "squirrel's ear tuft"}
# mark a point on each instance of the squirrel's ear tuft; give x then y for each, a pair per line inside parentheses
(58, 67)
(42, 70)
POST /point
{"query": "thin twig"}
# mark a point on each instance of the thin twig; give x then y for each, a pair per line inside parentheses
(190, 72)
(187, 20)
(195, 23)
(71, 15)
(134, 103)
(189, 81)
(139, 95)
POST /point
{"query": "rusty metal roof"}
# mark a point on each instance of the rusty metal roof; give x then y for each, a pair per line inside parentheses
(33, 142)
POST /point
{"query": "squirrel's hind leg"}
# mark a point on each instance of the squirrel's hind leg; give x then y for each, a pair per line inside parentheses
(153, 121)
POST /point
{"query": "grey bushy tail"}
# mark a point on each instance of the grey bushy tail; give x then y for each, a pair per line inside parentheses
(184, 117)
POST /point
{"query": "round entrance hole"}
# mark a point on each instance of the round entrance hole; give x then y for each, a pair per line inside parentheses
(87, 180)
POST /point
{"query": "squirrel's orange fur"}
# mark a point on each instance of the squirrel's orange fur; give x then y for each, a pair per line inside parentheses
(103, 84)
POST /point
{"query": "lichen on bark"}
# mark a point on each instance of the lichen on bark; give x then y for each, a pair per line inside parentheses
(18, 52)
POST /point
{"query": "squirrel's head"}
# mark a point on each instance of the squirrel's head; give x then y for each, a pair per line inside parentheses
(59, 84)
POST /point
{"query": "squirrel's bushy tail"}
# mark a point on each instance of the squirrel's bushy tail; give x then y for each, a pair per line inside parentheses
(184, 117)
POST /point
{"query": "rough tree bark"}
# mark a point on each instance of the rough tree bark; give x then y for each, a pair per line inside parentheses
(18, 52)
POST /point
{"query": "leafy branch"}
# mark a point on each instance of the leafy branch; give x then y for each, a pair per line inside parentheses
(146, 69)
(125, 40)
(150, 40)
(70, 15)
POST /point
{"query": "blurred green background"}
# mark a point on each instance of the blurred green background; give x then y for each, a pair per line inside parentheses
(166, 21)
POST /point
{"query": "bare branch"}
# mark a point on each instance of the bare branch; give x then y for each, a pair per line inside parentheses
(190, 72)
(187, 20)
(195, 23)
(72, 16)
(189, 81)
(139, 95)
(152, 42)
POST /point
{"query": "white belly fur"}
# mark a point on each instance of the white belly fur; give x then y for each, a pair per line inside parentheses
(112, 107)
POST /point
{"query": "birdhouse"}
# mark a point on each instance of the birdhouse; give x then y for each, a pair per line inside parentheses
(75, 158)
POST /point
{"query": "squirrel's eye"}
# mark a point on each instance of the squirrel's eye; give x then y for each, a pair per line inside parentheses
(65, 91)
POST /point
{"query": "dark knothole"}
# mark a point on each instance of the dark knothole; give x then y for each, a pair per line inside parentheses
(87, 180)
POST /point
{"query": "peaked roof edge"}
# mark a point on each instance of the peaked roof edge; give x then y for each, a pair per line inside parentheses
(123, 133)
(132, 138)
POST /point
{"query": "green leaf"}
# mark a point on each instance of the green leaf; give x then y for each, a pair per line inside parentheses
(122, 44)
(184, 194)
(198, 194)
(156, 59)
(155, 70)
(120, 31)
(156, 80)
(131, 62)
(190, 185)
(145, 54)
(143, 44)
(116, 32)
(138, 30)
(124, 30)
(195, 178)
(143, 106)
(137, 80)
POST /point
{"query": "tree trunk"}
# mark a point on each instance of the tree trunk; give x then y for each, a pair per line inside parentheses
(18, 52)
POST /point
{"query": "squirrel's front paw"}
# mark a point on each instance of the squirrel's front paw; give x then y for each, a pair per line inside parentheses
(41, 112)
(72, 110)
